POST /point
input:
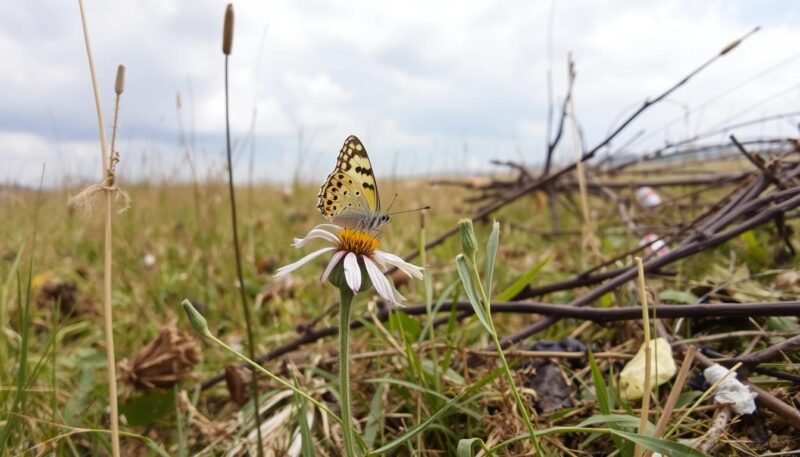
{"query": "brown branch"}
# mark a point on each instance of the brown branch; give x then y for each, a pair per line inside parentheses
(655, 263)
(599, 315)
(516, 194)
(551, 146)
(758, 162)
(768, 354)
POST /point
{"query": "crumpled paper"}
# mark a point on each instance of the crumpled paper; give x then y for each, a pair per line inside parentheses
(731, 390)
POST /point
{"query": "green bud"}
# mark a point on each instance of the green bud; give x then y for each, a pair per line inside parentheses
(469, 244)
(197, 320)
(337, 276)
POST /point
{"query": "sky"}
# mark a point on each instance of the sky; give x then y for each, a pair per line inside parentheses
(431, 88)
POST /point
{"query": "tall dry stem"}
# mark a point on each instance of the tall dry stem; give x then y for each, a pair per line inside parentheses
(108, 162)
(647, 362)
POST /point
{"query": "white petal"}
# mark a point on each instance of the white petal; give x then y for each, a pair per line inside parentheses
(384, 257)
(294, 266)
(352, 272)
(380, 282)
(317, 232)
(334, 260)
(399, 299)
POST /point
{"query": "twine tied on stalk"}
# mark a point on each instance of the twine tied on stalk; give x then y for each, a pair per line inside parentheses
(85, 198)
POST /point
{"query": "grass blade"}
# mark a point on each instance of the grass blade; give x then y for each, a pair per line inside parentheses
(417, 429)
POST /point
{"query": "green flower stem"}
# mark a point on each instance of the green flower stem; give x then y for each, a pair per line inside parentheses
(344, 371)
(274, 377)
(523, 409)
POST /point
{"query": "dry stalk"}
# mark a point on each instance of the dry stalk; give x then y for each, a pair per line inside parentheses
(647, 368)
(680, 381)
(589, 240)
(718, 426)
(109, 188)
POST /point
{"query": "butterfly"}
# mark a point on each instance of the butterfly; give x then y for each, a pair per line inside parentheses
(349, 196)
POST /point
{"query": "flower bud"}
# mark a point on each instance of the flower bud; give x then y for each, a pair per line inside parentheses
(469, 244)
(197, 320)
(337, 277)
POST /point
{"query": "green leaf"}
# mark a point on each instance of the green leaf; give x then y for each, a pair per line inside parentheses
(677, 296)
(485, 379)
(429, 320)
(465, 446)
(687, 398)
(148, 408)
(665, 447)
(432, 369)
(517, 286)
(402, 322)
(622, 420)
(491, 255)
(306, 440)
(600, 388)
(411, 385)
(374, 418)
(471, 291)
(603, 400)
(417, 429)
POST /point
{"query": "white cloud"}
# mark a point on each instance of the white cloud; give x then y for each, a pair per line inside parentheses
(425, 84)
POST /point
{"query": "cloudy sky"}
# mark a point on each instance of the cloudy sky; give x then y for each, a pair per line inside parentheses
(430, 87)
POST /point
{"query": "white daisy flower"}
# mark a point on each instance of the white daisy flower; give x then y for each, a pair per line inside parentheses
(358, 252)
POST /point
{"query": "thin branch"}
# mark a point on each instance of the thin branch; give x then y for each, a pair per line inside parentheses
(599, 315)
(516, 194)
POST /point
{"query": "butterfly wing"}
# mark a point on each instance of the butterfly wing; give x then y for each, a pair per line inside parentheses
(349, 196)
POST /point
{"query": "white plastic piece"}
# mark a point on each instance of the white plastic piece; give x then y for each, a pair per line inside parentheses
(647, 197)
(731, 390)
(662, 369)
(657, 245)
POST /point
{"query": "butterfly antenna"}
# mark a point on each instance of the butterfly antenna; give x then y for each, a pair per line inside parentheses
(392, 203)
(411, 210)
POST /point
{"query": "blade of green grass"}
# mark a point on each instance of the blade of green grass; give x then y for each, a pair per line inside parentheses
(516, 287)
(411, 433)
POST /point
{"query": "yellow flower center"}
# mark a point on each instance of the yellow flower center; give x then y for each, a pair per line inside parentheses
(358, 242)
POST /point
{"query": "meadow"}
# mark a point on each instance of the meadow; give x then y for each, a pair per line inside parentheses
(608, 304)
(174, 243)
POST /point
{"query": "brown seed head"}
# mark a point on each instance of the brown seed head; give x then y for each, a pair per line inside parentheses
(162, 363)
(119, 84)
(227, 31)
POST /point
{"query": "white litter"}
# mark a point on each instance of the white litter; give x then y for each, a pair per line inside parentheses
(662, 368)
(657, 245)
(731, 390)
(647, 197)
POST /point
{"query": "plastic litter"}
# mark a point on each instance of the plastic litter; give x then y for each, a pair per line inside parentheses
(647, 197)
(731, 390)
(656, 244)
(662, 369)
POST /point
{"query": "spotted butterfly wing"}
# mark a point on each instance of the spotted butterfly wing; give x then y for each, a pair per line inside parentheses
(349, 196)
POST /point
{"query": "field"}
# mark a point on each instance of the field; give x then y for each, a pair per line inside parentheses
(625, 290)
(174, 243)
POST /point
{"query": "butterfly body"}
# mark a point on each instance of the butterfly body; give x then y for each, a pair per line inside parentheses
(349, 196)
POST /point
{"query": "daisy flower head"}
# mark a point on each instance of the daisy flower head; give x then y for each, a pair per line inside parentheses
(356, 259)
